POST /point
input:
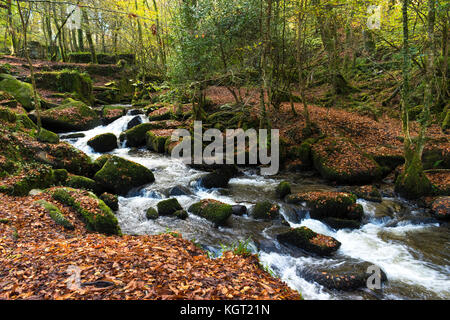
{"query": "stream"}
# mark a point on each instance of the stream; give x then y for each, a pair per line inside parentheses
(413, 252)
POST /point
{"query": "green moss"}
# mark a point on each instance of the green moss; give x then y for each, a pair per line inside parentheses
(100, 162)
(156, 142)
(47, 136)
(111, 200)
(446, 122)
(326, 204)
(73, 160)
(67, 80)
(152, 214)
(308, 240)
(412, 183)
(25, 121)
(56, 215)
(266, 210)
(136, 136)
(60, 176)
(283, 189)
(102, 220)
(79, 182)
(168, 207)
(103, 142)
(212, 210)
(34, 176)
(7, 115)
(21, 91)
(72, 115)
(120, 176)
(181, 214)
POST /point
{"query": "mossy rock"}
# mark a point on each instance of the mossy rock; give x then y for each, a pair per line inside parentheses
(67, 80)
(283, 189)
(327, 204)
(103, 142)
(70, 158)
(100, 162)
(168, 207)
(369, 193)
(72, 115)
(111, 200)
(56, 214)
(339, 159)
(47, 136)
(26, 122)
(119, 176)
(34, 176)
(218, 178)
(212, 210)
(60, 176)
(7, 115)
(135, 137)
(99, 218)
(303, 153)
(308, 240)
(181, 214)
(152, 214)
(156, 139)
(112, 113)
(165, 113)
(266, 210)
(339, 224)
(79, 182)
(413, 183)
(441, 208)
(21, 91)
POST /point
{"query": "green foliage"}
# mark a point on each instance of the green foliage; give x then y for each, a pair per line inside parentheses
(239, 247)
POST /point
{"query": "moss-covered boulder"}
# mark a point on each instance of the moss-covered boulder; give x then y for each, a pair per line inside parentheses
(21, 91)
(135, 137)
(119, 175)
(65, 156)
(266, 210)
(72, 115)
(67, 80)
(219, 178)
(60, 176)
(105, 142)
(30, 176)
(47, 136)
(329, 204)
(111, 200)
(168, 207)
(339, 224)
(339, 159)
(100, 162)
(164, 113)
(56, 214)
(152, 214)
(302, 153)
(308, 240)
(212, 210)
(368, 192)
(181, 214)
(156, 139)
(94, 212)
(283, 189)
(79, 182)
(441, 208)
(112, 113)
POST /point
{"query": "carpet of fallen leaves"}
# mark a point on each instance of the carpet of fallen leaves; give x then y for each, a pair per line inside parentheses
(39, 260)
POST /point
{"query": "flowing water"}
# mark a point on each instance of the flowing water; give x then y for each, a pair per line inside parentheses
(413, 252)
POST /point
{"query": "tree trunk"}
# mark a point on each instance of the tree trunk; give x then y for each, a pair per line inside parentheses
(12, 32)
(89, 36)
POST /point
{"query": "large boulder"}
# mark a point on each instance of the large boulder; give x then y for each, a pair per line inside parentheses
(212, 210)
(308, 240)
(168, 207)
(119, 175)
(135, 137)
(47, 136)
(112, 113)
(21, 91)
(103, 142)
(67, 80)
(72, 115)
(219, 178)
(94, 212)
(157, 139)
(326, 205)
(339, 159)
(111, 200)
(266, 210)
(80, 182)
(55, 214)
